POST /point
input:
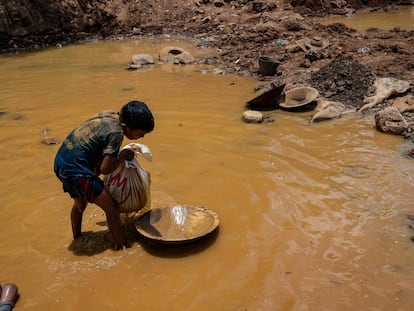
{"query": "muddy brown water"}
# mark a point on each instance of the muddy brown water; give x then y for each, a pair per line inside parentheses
(312, 217)
(400, 16)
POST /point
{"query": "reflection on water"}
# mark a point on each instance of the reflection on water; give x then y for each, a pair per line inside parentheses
(179, 214)
(401, 16)
(312, 217)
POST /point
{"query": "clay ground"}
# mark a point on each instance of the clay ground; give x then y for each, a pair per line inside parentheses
(241, 30)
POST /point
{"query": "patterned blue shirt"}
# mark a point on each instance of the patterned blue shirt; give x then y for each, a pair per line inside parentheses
(86, 146)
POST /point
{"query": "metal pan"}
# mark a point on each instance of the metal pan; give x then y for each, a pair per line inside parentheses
(177, 224)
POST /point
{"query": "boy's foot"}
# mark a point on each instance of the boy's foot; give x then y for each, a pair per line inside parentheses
(9, 294)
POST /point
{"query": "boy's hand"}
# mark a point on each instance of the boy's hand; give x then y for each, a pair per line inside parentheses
(109, 164)
(127, 154)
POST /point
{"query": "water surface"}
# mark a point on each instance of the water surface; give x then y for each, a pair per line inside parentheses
(312, 217)
(400, 16)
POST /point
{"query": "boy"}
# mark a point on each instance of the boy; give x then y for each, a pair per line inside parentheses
(93, 149)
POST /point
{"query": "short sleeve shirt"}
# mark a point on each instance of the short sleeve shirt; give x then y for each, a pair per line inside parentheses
(86, 145)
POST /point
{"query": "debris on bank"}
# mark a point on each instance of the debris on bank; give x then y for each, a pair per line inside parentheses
(175, 55)
(252, 116)
(169, 54)
(384, 88)
(344, 80)
(140, 60)
(327, 110)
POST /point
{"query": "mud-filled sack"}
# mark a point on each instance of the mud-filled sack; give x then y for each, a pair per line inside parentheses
(130, 183)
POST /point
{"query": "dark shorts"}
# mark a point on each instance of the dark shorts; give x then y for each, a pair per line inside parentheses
(83, 187)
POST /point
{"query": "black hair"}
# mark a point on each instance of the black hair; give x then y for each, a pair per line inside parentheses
(137, 116)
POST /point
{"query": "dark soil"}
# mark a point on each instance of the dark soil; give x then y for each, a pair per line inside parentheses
(345, 80)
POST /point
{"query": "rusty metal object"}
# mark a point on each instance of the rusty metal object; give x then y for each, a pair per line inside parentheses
(269, 99)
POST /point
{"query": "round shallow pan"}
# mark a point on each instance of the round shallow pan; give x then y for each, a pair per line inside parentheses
(177, 224)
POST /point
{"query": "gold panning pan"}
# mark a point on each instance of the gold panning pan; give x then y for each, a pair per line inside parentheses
(177, 224)
(299, 98)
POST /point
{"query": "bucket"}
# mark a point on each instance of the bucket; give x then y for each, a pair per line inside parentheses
(268, 66)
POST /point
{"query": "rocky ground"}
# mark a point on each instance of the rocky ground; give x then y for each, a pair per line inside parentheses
(342, 66)
(241, 29)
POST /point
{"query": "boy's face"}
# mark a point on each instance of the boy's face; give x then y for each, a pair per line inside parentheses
(132, 134)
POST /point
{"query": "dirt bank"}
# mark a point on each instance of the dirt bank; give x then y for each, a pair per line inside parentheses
(241, 30)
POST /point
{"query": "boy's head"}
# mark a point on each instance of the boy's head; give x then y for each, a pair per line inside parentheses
(136, 119)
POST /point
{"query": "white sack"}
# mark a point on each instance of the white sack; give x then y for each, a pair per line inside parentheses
(129, 184)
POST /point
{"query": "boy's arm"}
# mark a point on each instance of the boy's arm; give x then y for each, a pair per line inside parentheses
(109, 164)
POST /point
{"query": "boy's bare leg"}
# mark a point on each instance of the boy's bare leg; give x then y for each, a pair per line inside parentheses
(78, 208)
(111, 209)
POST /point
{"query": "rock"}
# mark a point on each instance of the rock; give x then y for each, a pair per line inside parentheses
(404, 104)
(314, 55)
(314, 44)
(259, 6)
(410, 153)
(252, 116)
(326, 110)
(391, 121)
(133, 66)
(175, 55)
(49, 141)
(384, 88)
(218, 3)
(142, 59)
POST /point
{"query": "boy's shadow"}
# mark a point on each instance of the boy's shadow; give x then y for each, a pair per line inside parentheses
(95, 242)
(178, 249)
(91, 243)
